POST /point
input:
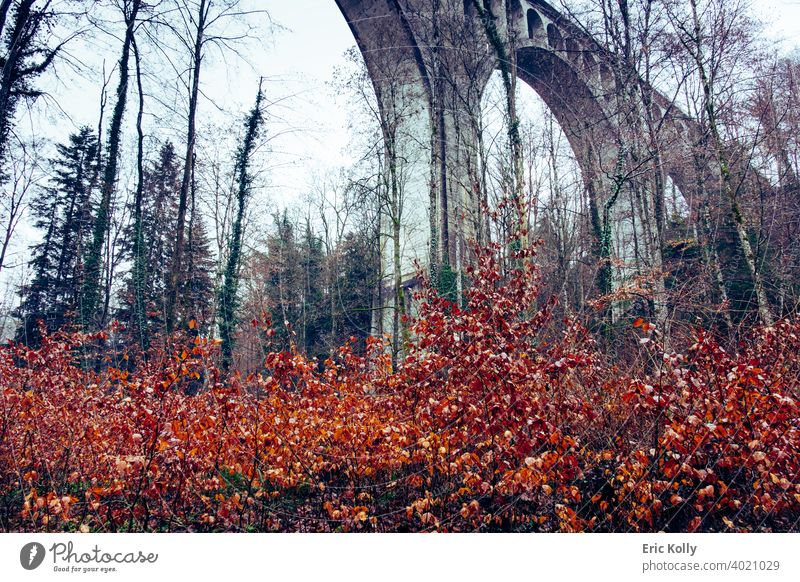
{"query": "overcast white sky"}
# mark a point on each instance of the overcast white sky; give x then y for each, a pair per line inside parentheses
(296, 58)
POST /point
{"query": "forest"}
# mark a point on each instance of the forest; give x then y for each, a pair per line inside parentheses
(551, 283)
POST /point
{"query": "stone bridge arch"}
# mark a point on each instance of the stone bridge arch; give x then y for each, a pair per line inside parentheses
(439, 75)
(573, 75)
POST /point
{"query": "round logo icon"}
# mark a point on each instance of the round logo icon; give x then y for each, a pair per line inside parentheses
(31, 555)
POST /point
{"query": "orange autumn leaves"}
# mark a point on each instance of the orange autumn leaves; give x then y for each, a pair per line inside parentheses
(492, 422)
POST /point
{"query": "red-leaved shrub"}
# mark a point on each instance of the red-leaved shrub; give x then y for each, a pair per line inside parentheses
(492, 421)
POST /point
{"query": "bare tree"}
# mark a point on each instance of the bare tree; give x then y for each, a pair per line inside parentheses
(390, 108)
(93, 261)
(197, 25)
(505, 51)
(24, 173)
(710, 31)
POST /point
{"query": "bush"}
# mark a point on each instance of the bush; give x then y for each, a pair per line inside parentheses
(492, 422)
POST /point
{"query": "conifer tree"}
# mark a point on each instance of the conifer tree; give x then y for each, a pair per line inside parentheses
(198, 278)
(64, 211)
(355, 285)
(314, 313)
(284, 281)
(161, 183)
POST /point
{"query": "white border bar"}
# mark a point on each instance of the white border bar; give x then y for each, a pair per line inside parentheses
(409, 557)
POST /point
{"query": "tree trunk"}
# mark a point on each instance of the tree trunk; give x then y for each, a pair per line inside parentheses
(228, 295)
(173, 295)
(19, 40)
(506, 60)
(139, 274)
(764, 312)
(92, 266)
(399, 298)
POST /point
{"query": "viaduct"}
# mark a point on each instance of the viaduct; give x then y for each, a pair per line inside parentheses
(430, 60)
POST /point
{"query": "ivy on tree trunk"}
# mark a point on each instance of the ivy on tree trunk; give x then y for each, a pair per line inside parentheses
(228, 302)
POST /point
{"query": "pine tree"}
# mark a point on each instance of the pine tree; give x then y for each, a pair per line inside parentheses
(198, 278)
(315, 316)
(315, 301)
(64, 212)
(91, 290)
(159, 215)
(354, 286)
(284, 282)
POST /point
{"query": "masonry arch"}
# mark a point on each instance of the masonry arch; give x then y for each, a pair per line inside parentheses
(538, 125)
(535, 24)
(573, 104)
(565, 66)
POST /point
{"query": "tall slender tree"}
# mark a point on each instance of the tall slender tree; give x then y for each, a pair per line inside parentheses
(160, 184)
(711, 32)
(199, 24)
(94, 255)
(228, 300)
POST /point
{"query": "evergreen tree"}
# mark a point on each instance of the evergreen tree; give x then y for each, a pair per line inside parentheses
(315, 316)
(316, 301)
(284, 281)
(159, 215)
(353, 287)
(64, 212)
(94, 252)
(198, 278)
(159, 219)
